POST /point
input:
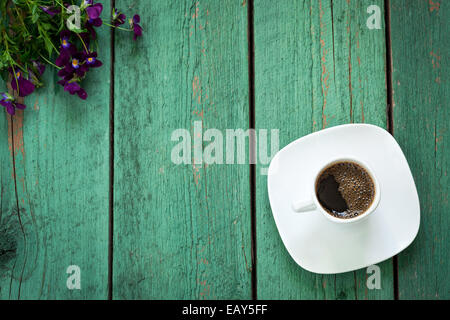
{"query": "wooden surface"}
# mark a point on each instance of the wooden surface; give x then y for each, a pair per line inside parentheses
(421, 126)
(92, 183)
(181, 231)
(54, 201)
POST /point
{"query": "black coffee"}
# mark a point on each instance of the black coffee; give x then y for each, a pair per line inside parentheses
(345, 189)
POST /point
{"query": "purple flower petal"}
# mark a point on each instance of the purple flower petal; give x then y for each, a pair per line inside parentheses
(64, 34)
(80, 72)
(10, 109)
(72, 87)
(62, 73)
(94, 11)
(5, 103)
(26, 87)
(20, 106)
(62, 59)
(97, 64)
(50, 10)
(9, 105)
(96, 22)
(82, 94)
(137, 31)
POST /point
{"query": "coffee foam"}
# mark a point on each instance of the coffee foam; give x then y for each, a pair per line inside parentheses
(355, 185)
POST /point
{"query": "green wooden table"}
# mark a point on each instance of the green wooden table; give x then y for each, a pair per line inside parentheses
(92, 183)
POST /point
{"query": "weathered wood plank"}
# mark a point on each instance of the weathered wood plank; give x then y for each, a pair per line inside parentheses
(10, 234)
(420, 107)
(180, 231)
(55, 208)
(317, 65)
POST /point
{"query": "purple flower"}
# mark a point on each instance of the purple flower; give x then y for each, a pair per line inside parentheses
(75, 63)
(51, 10)
(118, 18)
(94, 10)
(9, 102)
(134, 23)
(23, 86)
(92, 61)
(66, 50)
(74, 67)
(65, 40)
(74, 87)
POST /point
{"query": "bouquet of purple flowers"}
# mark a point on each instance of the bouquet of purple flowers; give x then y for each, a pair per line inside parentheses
(37, 33)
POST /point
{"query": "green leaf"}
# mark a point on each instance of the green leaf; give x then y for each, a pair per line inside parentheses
(76, 30)
(48, 45)
(34, 14)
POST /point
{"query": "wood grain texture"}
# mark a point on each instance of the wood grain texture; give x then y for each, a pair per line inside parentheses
(180, 231)
(420, 53)
(54, 183)
(10, 233)
(317, 65)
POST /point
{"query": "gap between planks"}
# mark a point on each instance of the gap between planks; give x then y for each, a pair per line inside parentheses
(389, 112)
(252, 142)
(111, 164)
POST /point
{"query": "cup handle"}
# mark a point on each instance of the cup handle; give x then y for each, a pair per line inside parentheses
(303, 206)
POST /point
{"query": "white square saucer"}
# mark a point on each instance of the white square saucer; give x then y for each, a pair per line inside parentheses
(321, 246)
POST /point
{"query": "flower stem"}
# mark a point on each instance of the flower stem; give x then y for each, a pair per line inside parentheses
(112, 26)
(49, 62)
(60, 4)
(84, 45)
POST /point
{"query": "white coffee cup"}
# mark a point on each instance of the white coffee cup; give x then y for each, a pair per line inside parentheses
(312, 204)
